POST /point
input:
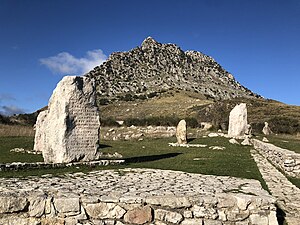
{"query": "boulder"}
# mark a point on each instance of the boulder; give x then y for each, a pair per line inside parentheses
(233, 141)
(238, 121)
(181, 132)
(266, 130)
(68, 130)
(246, 142)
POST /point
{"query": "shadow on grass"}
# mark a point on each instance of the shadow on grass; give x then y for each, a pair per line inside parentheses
(190, 139)
(150, 158)
(101, 146)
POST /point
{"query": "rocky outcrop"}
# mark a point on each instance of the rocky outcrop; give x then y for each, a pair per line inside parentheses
(238, 121)
(135, 196)
(153, 68)
(181, 134)
(68, 130)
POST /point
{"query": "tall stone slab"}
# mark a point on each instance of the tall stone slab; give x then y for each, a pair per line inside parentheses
(238, 121)
(68, 130)
(181, 132)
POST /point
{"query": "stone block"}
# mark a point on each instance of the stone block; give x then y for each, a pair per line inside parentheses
(139, 215)
(168, 216)
(12, 203)
(66, 205)
(104, 211)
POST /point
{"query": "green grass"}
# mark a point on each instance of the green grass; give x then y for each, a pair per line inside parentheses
(234, 161)
(289, 142)
(8, 143)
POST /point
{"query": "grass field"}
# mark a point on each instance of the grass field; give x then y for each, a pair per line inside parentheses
(150, 153)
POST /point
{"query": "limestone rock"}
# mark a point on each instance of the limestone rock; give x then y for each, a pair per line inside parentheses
(233, 141)
(139, 215)
(10, 203)
(181, 132)
(105, 210)
(69, 129)
(168, 216)
(266, 130)
(238, 121)
(246, 141)
(39, 131)
(265, 139)
(154, 66)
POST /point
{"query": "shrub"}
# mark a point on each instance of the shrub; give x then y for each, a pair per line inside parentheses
(160, 121)
(285, 125)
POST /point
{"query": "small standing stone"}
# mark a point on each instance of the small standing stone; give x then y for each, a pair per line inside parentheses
(266, 130)
(238, 121)
(181, 132)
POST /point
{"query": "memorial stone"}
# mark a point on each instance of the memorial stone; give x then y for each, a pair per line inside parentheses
(68, 130)
(238, 121)
(181, 132)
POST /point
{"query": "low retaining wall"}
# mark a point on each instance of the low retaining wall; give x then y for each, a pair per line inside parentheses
(286, 160)
(135, 196)
(43, 165)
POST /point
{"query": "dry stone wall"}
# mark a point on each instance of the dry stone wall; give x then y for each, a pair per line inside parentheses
(286, 160)
(135, 196)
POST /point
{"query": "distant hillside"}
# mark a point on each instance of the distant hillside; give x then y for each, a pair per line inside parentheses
(154, 68)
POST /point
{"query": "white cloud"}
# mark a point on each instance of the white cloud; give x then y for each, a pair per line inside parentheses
(64, 63)
(10, 110)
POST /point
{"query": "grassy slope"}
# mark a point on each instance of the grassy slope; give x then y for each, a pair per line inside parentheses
(168, 104)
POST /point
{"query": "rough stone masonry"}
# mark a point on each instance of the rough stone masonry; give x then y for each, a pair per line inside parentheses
(68, 130)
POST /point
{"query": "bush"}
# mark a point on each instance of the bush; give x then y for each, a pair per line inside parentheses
(160, 121)
(284, 125)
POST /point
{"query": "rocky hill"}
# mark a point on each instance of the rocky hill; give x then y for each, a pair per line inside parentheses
(154, 68)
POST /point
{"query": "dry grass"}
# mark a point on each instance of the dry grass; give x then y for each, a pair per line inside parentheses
(16, 130)
(170, 104)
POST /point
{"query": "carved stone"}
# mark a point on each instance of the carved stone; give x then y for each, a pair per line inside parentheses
(68, 130)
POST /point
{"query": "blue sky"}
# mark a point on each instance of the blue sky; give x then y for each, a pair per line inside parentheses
(258, 41)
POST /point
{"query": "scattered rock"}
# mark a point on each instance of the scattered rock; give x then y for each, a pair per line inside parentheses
(217, 148)
(246, 142)
(265, 139)
(213, 135)
(233, 141)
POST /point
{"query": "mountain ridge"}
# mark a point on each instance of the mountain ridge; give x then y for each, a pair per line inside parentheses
(153, 68)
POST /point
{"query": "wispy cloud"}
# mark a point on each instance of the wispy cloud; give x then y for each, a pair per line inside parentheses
(6, 97)
(64, 63)
(10, 110)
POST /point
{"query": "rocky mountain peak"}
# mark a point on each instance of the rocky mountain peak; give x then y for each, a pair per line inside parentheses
(149, 42)
(154, 68)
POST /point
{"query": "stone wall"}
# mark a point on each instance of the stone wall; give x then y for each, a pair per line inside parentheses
(286, 160)
(135, 196)
(43, 165)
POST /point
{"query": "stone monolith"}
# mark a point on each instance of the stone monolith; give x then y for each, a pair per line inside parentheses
(68, 130)
(181, 132)
(266, 130)
(238, 121)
